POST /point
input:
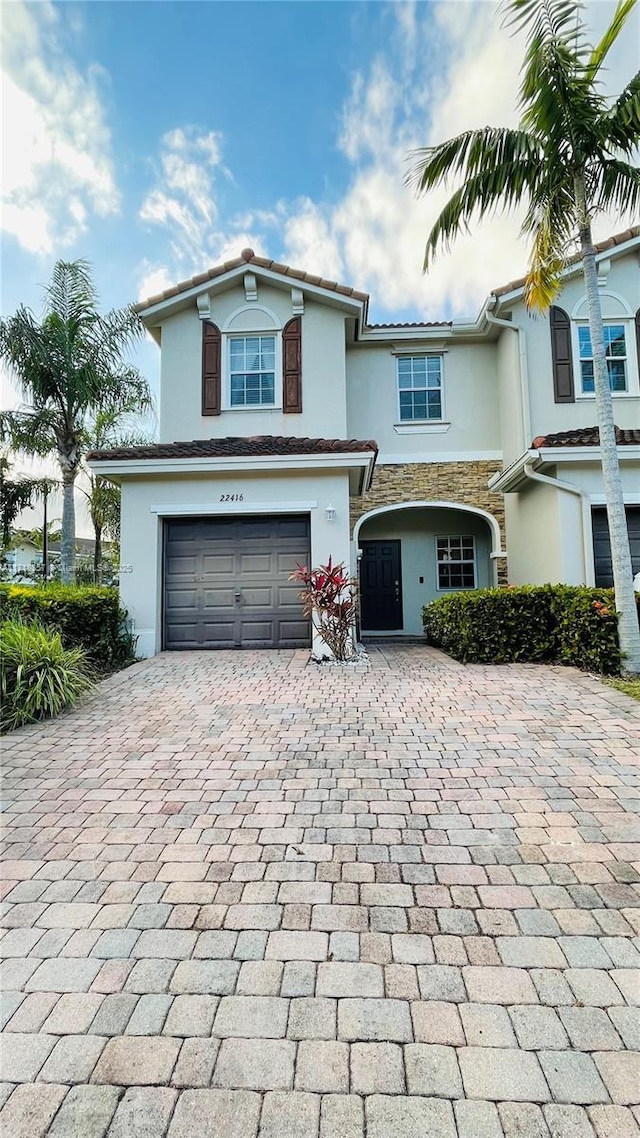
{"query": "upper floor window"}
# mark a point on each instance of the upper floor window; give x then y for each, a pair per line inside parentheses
(456, 557)
(616, 352)
(252, 371)
(419, 387)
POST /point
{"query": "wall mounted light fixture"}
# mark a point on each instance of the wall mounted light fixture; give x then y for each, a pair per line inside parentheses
(330, 513)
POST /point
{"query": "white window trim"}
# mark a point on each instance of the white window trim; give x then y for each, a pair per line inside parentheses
(226, 372)
(440, 422)
(457, 588)
(633, 385)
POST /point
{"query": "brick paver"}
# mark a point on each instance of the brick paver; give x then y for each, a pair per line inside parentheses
(249, 897)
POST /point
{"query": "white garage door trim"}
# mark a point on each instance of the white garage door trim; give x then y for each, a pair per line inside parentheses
(213, 509)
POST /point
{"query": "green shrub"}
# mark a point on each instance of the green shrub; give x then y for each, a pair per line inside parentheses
(561, 624)
(86, 616)
(38, 675)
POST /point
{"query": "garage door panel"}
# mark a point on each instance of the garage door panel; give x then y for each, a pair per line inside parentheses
(218, 599)
(288, 596)
(218, 564)
(226, 582)
(183, 566)
(602, 547)
(218, 632)
(256, 563)
(183, 598)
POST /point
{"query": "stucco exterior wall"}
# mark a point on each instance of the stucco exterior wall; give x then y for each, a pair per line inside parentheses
(145, 502)
(534, 544)
(470, 401)
(513, 438)
(620, 298)
(323, 370)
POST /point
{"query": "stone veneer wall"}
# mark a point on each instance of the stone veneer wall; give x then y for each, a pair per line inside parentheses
(463, 482)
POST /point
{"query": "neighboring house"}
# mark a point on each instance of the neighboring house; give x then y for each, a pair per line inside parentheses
(21, 557)
(431, 457)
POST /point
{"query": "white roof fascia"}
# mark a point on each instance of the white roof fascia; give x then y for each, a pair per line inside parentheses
(508, 480)
(145, 467)
(217, 284)
(575, 267)
(585, 454)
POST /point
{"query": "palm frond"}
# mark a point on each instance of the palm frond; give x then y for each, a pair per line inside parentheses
(551, 223)
(616, 187)
(30, 431)
(622, 123)
(494, 190)
(71, 295)
(601, 50)
(469, 154)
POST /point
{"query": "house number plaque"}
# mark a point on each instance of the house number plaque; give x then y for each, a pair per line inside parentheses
(232, 497)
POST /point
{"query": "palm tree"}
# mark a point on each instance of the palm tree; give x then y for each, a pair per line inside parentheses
(110, 427)
(16, 494)
(68, 366)
(570, 159)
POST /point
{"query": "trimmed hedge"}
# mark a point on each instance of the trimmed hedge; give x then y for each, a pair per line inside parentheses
(552, 624)
(86, 616)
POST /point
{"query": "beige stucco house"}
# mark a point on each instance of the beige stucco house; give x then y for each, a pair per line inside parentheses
(430, 456)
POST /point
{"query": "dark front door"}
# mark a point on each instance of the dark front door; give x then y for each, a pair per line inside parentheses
(226, 582)
(380, 586)
(602, 546)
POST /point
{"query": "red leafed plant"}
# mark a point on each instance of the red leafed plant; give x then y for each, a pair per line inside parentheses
(330, 598)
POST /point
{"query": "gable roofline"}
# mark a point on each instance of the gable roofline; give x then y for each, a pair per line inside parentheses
(618, 243)
(358, 301)
(239, 265)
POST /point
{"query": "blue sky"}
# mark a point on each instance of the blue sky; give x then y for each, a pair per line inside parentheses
(155, 139)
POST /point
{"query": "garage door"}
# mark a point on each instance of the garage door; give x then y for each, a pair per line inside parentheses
(226, 583)
(602, 548)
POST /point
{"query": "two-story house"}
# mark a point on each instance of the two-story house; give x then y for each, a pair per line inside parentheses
(429, 457)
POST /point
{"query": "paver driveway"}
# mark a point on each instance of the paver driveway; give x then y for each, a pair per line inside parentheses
(246, 896)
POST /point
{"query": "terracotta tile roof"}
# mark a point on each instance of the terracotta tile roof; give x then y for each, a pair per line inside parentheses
(246, 447)
(601, 247)
(585, 437)
(248, 257)
(414, 324)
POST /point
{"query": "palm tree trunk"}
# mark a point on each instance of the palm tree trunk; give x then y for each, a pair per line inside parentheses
(68, 535)
(97, 556)
(45, 538)
(628, 627)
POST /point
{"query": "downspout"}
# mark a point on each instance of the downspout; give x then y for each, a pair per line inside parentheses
(569, 488)
(524, 371)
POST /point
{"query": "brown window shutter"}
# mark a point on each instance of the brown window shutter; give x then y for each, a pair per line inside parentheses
(561, 355)
(292, 367)
(211, 378)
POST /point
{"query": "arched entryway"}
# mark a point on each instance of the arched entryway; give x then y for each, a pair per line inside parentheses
(412, 552)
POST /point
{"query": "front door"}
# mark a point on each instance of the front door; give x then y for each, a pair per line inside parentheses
(380, 586)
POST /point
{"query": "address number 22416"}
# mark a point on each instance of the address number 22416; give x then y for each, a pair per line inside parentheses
(231, 497)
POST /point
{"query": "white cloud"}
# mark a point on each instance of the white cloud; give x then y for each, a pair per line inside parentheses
(374, 236)
(447, 67)
(56, 147)
(184, 203)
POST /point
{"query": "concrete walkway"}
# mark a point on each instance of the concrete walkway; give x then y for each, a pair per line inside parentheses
(245, 896)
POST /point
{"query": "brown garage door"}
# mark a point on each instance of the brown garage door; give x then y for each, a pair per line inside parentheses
(226, 582)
